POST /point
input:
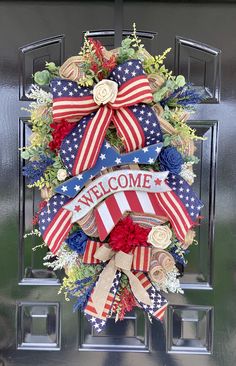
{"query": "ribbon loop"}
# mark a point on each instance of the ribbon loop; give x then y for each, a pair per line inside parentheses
(71, 102)
(104, 253)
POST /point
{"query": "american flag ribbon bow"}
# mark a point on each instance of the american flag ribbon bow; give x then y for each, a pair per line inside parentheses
(134, 265)
(136, 123)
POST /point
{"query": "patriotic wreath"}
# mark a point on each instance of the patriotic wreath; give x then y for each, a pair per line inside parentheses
(112, 154)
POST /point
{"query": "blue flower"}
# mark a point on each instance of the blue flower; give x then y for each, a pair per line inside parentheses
(185, 96)
(179, 258)
(170, 159)
(34, 170)
(77, 241)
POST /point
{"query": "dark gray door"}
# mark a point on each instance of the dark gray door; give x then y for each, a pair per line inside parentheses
(37, 327)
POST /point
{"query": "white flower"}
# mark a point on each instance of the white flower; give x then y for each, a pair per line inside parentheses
(61, 174)
(65, 258)
(171, 283)
(105, 91)
(160, 236)
(42, 97)
(187, 172)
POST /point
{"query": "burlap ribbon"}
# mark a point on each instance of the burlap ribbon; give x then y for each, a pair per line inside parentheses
(117, 261)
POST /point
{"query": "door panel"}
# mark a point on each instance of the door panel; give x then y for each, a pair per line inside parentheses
(199, 327)
(199, 271)
(34, 56)
(201, 66)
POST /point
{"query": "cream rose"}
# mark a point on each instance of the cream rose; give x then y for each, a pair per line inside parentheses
(160, 236)
(61, 174)
(157, 273)
(163, 259)
(105, 91)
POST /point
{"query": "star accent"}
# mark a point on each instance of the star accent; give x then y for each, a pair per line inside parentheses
(158, 182)
(118, 161)
(102, 156)
(107, 145)
(77, 208)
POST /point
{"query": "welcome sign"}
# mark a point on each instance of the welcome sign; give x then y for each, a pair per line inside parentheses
(116, 181)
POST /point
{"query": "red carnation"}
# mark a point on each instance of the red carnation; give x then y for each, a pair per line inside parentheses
(61, 130)
(126, 236)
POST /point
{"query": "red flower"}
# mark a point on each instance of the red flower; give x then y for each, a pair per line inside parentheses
(41, 205)
(99, 65)
(97, 46)
(110, 64)
(125, 303)
(127, 235)
(60, 131)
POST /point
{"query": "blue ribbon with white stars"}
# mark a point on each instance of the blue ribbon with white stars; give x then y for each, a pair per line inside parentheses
(109, 157)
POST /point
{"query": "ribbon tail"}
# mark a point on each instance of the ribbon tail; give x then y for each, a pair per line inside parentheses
(92, 140)
(129, 129)
(137, 288)
(100, 294)
(98, 321)
(158, 302)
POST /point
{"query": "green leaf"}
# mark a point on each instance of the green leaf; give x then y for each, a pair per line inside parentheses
(167, 140)
(51, 67)
(159, 94)
(25, 155)
(42, 77)
(180, 81)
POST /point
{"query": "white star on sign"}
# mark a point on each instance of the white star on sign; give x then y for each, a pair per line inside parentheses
(64, 188)
(77, 188)
(136, 160)
(151, 160)
(118, 160)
